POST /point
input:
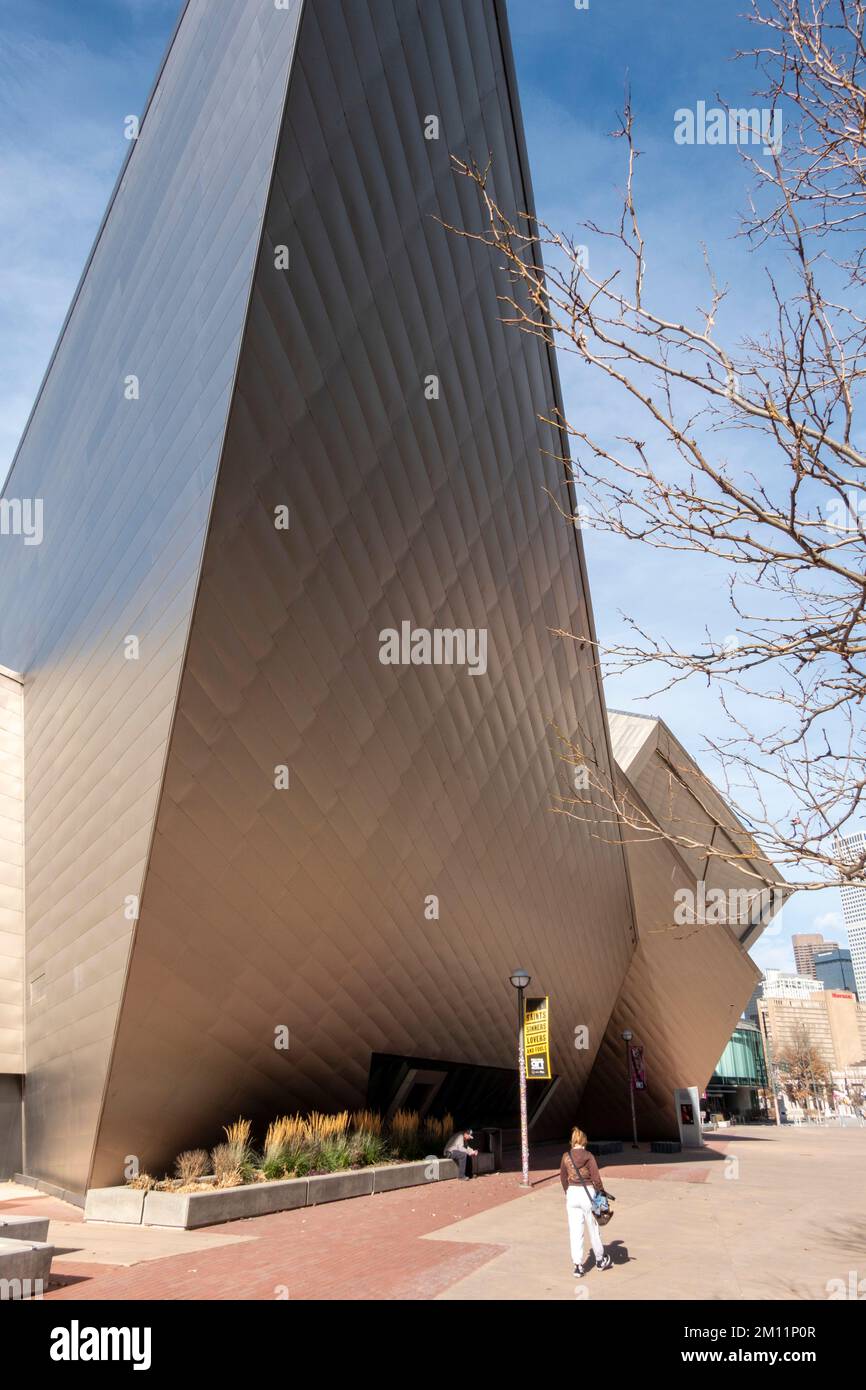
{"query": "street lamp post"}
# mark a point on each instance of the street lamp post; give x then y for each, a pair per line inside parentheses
(520, 979)
(627, 1036)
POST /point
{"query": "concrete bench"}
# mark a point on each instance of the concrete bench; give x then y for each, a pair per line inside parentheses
(25, 1266)
(23, 1228)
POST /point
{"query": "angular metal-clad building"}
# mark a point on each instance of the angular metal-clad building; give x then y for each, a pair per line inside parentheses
(283, 419)
(281, 701)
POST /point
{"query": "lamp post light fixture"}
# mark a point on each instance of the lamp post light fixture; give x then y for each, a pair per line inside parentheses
(520, 979)
(627, 1036)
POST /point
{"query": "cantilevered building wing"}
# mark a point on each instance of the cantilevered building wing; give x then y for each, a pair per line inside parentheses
(690, 977)
(238, 818)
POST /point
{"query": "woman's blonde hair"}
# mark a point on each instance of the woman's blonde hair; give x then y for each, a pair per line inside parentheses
(578, 1138)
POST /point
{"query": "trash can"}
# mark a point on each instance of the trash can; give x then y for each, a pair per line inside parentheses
(492, 1144)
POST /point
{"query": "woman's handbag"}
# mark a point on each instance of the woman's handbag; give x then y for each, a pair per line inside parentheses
(599, 1203)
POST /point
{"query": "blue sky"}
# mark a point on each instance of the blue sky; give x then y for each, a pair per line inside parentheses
(71, 73)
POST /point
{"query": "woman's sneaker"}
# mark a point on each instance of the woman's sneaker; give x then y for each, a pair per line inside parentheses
(604, 1263)
(578, 1271)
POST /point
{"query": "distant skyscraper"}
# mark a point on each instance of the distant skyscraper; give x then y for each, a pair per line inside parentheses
(854, 914)
(781, 984)
(835, 970)
(806, 944)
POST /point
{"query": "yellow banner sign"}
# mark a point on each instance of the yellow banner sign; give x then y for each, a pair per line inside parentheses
(536, 1033)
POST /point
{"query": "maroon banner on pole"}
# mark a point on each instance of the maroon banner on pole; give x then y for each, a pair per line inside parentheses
(638, 1073)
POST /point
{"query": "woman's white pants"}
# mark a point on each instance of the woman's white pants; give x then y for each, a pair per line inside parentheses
(579, 1209)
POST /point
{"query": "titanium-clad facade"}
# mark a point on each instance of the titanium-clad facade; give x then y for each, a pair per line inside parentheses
(126, 486)
(690, 977)
(303, 333)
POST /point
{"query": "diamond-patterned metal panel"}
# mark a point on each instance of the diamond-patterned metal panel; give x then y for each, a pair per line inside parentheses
(305, 907)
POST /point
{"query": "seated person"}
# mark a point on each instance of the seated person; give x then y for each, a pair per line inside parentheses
(458, 1148)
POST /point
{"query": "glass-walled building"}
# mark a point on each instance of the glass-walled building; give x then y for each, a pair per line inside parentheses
(835, 970)
(738, 1086)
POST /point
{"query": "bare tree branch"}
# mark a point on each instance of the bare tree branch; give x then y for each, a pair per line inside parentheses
(789, 531)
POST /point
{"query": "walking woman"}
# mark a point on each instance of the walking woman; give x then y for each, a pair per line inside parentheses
(581, 1181)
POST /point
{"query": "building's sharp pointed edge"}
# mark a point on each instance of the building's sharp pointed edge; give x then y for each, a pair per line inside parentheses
(123, 448)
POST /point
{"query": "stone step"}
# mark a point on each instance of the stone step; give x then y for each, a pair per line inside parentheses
(23, 1227)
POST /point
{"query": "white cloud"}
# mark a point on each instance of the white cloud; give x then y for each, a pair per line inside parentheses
(828, 921)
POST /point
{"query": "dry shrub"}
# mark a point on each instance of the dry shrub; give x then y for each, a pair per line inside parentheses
(433, 1131)
(366, 1122)
(438, 1132)
(324, 1128)
(226, 1167)
(142, 1182)
(406, 1137)
(296, 1130)
(191, 1165)
(404, 1125)
(284, 1136)
(238, 1139)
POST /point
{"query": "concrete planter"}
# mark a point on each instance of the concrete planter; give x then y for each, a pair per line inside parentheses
(124, 1205)
(392, 1176)
(191, 1210)
(334, 1187)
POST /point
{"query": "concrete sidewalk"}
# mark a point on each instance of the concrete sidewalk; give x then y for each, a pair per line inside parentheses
(760, 1213)
(763, 1213)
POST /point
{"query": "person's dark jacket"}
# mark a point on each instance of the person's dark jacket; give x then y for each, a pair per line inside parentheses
(586, 1165)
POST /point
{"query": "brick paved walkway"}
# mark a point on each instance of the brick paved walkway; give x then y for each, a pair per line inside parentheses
(368, 1248)
(735, 1221)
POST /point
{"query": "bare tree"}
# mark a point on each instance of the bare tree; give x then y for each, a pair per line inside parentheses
(802, 1070)
(789, 528)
